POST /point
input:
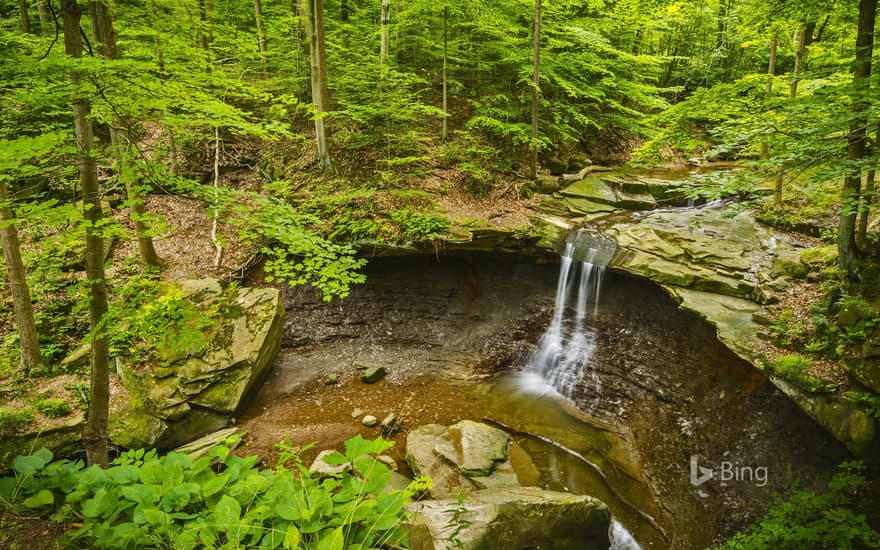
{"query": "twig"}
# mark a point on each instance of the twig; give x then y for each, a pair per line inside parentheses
(583, 459)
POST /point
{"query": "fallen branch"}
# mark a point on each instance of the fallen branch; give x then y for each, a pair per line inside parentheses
(586, 461)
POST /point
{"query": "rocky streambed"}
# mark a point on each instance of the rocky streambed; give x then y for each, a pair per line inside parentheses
(455, 334)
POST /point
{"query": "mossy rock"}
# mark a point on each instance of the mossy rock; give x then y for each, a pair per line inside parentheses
(170, 404)
(815, 257)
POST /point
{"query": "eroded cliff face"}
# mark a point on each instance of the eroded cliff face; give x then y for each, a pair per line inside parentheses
(454, 336)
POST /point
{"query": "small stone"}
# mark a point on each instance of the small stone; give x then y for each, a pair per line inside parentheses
(390, 424)
(331, 380)
(388, 461)
(320, 467)
(356, 413)
(369, 421)
(373, 374)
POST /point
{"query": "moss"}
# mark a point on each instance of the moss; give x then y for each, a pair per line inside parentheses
(53, 407)
(14, 419)
(795, 369)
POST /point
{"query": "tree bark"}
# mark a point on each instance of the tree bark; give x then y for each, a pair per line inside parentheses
(384, 22)
(23, 13)
(443, 132)
(856, 146)
(29, 341)
(771, 71)
(105, 34)
(46, 24)
(95, 430)
(318, 57)
(261, 32)
(799, 57)
(867, 197)
(536, 91)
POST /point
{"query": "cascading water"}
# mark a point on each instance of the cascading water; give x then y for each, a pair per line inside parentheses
(564, 352)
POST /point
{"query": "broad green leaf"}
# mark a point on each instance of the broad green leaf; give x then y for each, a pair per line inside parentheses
(43, 498)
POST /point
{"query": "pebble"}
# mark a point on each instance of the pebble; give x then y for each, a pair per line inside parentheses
(331, 380)
(356, 413)
(370, 421)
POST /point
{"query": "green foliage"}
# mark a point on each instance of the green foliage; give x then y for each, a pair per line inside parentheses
(869, 401)
(53, 407)
(154, 321)
(217, 501)
(420, 226)
(15, 419)
(810, 520)
(795, 369)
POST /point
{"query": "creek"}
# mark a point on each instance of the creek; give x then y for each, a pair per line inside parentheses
(649, 392)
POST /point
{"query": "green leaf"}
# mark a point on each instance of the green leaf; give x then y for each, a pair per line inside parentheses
(227, 512)
(334, 540)
(30, 464)
(43, 498)
(292, 537)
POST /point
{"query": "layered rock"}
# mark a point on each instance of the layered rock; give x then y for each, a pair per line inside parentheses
(191, 394)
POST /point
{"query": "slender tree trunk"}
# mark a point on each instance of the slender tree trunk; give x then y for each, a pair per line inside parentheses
(261, 33)
(771, 71)
(46, 24)
(856, 146)
(23, 13)
(443, 132)
(218, 245)
(21, 295)
(799, 57)
(343, 11)
(105, 34)
(95, 430)
(867, 196)
(536, 91)
(384, 23)
(318, 57)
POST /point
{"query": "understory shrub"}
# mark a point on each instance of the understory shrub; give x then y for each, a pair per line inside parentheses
(810, 520)
(13, 419)
(217, 501)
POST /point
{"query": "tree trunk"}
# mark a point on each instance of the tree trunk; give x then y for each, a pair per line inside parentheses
(867, 197)
(95, 430)
(215, 218)
(443, 132)
(343, 11)
(23, 13)
(261, 33)
(46, 23)
(21, 295)
(536, 91)
(105, 34)
(771, 71)
(856, 146)
(384, 22)
(317, 54)
(799, 56)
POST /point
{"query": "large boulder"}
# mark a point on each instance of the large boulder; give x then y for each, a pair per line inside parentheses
(510, 519)
(190, 394)
(468, 455)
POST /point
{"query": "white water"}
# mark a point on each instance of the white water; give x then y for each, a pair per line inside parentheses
(565, 350)
(621, 539)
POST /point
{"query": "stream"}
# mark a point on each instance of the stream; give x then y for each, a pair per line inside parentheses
(653, 394)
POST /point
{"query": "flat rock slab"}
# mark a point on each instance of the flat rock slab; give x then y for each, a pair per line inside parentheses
(510, 519)
(467, 455)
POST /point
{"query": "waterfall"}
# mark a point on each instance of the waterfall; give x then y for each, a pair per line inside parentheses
(564, 352)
